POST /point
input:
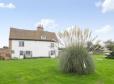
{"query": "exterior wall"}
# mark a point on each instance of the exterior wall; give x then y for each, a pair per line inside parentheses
(38, 48)
(5, 53)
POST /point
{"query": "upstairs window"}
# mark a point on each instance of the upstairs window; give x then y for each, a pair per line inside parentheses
(21, 43)
(52, 45)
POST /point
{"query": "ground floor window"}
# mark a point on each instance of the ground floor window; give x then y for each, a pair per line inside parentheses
(21, 52)
(52, 52)
(26, 54)
(29, 53)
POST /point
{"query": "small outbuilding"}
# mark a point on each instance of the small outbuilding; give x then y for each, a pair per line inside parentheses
(5, 53)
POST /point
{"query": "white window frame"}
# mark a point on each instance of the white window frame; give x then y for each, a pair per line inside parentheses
(21, 43)
(52, 45)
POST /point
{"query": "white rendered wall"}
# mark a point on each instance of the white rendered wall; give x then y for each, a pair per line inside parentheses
(38, 48)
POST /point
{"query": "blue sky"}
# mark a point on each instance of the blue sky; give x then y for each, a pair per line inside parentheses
(57, 15)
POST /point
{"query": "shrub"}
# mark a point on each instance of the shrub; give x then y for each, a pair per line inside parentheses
(111, 55)
(75, 56)
(76, 59)
(110, 46)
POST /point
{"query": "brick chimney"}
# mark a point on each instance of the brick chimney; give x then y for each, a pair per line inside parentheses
(40, 28)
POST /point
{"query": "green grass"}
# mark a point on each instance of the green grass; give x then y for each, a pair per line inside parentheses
(45, 71)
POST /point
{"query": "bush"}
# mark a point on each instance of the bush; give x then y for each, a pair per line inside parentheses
(111, 55)
(110, 46)
(76, 59)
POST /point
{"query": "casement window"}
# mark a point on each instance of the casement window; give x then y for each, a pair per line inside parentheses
(21, 52)
(43, 37)
(21, 43)
(52, 45)
(29, 53)
(52, 52)
(26, 53)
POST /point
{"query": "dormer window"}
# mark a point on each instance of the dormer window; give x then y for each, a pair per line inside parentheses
(43, 37)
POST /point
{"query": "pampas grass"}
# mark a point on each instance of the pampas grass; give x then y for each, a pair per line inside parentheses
(75, 57)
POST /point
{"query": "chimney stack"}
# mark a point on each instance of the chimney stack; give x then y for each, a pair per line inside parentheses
(40, 27)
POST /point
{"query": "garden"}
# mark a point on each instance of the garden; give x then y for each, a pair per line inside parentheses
(46, 71)
(79, 62)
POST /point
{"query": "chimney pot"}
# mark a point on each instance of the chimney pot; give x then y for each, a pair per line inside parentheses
(40, 27)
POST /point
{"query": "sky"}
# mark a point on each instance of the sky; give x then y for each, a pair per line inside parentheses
(57, 15)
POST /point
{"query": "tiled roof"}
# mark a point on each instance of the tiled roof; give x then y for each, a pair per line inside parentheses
(21, 34)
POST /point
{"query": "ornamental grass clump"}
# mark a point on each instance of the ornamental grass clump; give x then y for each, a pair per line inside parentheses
(75, 57)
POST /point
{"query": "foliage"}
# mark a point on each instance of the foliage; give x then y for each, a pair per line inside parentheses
(75, 57)
(97, 48)
(75, 36)
(110, 46)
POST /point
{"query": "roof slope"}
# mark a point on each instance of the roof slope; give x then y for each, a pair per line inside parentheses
(21, 34)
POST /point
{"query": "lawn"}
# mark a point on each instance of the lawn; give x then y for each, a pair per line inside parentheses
(45, 71)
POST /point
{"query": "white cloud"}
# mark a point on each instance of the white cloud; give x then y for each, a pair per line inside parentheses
(7, 5)
(105, 5)
(105, 29)
(49, 24)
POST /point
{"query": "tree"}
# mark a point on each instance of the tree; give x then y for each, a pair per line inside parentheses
(97, 48)
(110, 46)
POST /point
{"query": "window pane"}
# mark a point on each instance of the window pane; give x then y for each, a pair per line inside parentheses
(21, 43)
(28, 53)
(21, 52)
(52, 45)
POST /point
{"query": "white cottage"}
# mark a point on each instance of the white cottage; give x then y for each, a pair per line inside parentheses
(32, 43)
